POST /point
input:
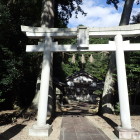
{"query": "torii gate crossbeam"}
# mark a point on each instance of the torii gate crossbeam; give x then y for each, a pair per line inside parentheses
(82, 34)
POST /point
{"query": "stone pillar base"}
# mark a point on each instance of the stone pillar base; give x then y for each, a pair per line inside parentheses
(123, 133)
(40, 130)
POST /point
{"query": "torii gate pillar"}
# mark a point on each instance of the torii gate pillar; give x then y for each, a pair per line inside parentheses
(41, 128)
(122, 84)
(125, 130)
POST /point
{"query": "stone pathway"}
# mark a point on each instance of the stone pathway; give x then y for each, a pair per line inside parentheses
(79, 128)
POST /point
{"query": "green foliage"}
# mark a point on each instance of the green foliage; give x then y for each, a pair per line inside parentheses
(136, 18)
(116, 2)
(15, 67)
(133, 71)
(98, 40)
(117, 108)
(19, 70)
(100, 65)
(64, 9)
(133, 65)
(98, 92)
(65, 67)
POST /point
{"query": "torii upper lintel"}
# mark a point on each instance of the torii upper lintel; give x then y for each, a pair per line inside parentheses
(41, 32)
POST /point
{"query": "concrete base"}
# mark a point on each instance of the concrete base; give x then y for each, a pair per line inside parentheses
(40, 130)
(122, 133)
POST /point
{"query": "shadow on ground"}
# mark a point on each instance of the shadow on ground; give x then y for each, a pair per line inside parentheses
(78, 108)
(7, 118)
(11, 132)
(109, 121)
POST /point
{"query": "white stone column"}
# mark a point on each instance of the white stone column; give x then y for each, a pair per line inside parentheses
(122, 84)
(44, 87)
(41, 128)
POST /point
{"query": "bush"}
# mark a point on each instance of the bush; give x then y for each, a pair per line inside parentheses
(117, 108)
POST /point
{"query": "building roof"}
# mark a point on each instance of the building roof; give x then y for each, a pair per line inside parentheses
(81, 73)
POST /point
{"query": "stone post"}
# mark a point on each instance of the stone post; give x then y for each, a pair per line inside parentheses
(41, 128)
(122, 84)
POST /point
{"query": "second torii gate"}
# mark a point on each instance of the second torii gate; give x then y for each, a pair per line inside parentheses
(82, 34)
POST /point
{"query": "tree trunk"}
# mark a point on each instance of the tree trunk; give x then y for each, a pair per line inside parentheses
(47, 16)
(47, 20)
(125, 18)
(108, 91)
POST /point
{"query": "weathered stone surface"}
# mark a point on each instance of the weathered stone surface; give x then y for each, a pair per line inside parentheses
(40, 131)
(79, 128)
(127, 30)
(127, 133)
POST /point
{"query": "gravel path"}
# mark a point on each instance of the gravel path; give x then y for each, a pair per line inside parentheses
(19, 130)
(108, 122)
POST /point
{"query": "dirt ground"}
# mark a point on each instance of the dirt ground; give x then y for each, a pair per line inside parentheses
(18, 129)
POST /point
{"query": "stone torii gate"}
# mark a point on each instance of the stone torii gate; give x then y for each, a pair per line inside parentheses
(82, 34)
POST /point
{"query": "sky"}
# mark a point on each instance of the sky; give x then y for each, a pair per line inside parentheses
(99, 14)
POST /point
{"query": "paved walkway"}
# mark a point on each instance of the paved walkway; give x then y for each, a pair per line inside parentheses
(79, 128)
